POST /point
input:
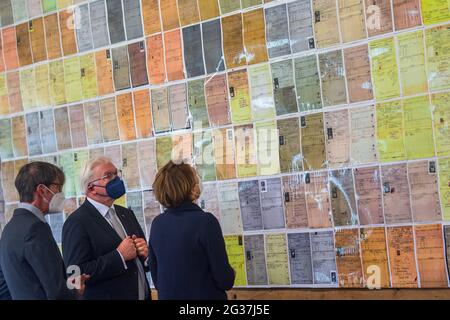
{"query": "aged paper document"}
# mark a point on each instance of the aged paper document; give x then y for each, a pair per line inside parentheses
(174, 55)
(255, 259)
(437, 41)
(77, 127)
(407, 13)
(313, 141)
(384, 69)
(192, 46)
(423, 182)
(93, 120)
(143, 112)
(37, 38)
(289, 142)
(103, 63)
(357, 71)
(239, 96)
(351, 20)
(374, 257)
(317, 200)
(271, 203)
(230, 218)
(150, 13)
(307, 82)
(223, 141)
(277, 31)
(160, 109)
(368, 195)
(418, 128)
(441, 117)
(430, 256)
(267, 148)
(284, 87)
(208, 9)
(62, 125)
(245, 151)
(300, 26)
(277, 259)
(363, 136)
(378, 17)
(233, 45)
(169, 14)
(125, 115)
(147, 162)
(323, 258)
(235, 250)
(396, 194)
(412, 63)
(299, 246)
(444, 187)
(88, 76)
(348, 259)
(217, 100)
(155, 59)
(110, 127)
(212, 46)
(402, 257)
(390, 131)
(295, 201)
(337, 138)
(261, 91)
(254, 36)
(250, 205)
(325, 23)
(343, 202)
(121, 68)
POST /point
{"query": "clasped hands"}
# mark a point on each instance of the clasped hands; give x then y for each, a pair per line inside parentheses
(132, 246)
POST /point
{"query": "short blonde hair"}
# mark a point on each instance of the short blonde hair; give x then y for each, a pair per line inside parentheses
(174, 184)
(88, 170)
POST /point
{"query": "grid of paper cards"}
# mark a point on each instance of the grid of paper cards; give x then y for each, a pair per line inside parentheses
(320, 128)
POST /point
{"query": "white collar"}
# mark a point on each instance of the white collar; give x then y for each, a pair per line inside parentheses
(99, 206)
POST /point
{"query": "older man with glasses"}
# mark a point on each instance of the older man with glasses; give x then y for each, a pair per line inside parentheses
(106, 240)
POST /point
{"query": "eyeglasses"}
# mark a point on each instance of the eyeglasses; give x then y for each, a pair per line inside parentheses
(59, 185)
(109, 176)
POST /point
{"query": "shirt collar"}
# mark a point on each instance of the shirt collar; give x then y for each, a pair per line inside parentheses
(34, 210)
(99, 206)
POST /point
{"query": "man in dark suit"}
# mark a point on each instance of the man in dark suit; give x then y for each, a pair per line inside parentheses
(29, 256)
(106, 240)
(4, 291)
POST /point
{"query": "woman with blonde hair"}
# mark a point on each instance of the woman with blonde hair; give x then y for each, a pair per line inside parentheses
(187, 252)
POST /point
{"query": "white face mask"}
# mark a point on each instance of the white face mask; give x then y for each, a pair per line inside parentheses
(56, 204)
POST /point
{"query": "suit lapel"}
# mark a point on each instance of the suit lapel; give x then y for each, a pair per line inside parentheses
(101, 221)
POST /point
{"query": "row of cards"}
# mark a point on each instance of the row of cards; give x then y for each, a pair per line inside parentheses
(371, 257)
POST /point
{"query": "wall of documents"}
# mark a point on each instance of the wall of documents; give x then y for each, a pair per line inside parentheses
(320, 128)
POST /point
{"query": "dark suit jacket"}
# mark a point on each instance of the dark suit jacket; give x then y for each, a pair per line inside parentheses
(31, 261)
(4, 291)
(188, 259)
(90, 242)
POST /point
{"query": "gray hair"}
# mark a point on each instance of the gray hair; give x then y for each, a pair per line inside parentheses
(88, 169)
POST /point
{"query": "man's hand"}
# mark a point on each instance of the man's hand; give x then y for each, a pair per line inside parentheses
(141, 246)
(127, 249)
(83, 279)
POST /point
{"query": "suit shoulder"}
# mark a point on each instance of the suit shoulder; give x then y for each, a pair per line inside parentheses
(124, 210)
(209, 217)
(77, 217)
